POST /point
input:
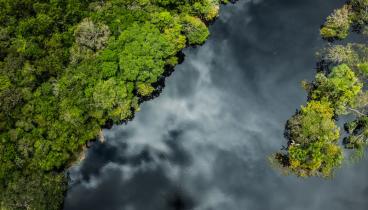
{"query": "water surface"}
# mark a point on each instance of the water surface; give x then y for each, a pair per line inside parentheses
(203, 144)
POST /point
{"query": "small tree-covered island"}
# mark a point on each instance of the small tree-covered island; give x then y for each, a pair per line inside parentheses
(339, 90)
(69, 68)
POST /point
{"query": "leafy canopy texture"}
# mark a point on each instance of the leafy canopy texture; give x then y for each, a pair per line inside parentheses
(313, 136)
(353, 14)
(338, 89)
(337, 24)
(69, 68)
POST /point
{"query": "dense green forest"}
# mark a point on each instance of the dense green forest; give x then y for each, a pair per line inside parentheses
(69, 68)
(339, 89)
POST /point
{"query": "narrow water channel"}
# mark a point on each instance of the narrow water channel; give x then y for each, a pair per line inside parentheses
(203, 143)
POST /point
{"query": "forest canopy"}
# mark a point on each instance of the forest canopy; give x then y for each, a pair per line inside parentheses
(68, 69)
(339, 89)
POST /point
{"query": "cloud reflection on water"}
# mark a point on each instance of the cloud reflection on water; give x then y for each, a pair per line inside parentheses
(203, 143)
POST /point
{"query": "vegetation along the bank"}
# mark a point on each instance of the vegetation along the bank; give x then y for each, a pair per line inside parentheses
(69, 68)
(339, 89)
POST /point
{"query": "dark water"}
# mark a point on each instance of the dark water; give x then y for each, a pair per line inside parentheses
(203, 144)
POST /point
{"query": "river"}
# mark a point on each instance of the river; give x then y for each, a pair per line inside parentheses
(203, 143)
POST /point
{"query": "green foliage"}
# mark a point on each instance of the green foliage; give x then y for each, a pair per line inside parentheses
(312, 132)
(314, 159)
(67, 68)
(360, 14)
(340, 87)
(195, 30)
(145, 89)
(337, 24)
(313, 123)
(35, 191)
(313, 135)
(91, 35)
(363, 68)
(353, 13)
(4, 83)
(358, 138)
(350, 54)
(207, 8)
(143, 53)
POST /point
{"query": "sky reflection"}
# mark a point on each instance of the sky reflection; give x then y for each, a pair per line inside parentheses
(203, 143)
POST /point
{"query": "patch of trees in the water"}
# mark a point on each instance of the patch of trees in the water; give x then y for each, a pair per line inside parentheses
(69, 67)
(339, 88)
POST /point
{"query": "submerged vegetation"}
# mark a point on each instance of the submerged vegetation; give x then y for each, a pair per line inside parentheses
(339, 89)
(69, 68)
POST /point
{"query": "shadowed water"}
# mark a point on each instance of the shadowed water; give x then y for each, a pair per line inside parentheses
(203, 143)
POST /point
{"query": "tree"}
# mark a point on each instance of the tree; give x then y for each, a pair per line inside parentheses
(312, 132)
(91, 35)
(360, 14)
(337, 24)
(195, 30)
(340, 87)
(68, 68)
(312, 123)
(312, 148)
